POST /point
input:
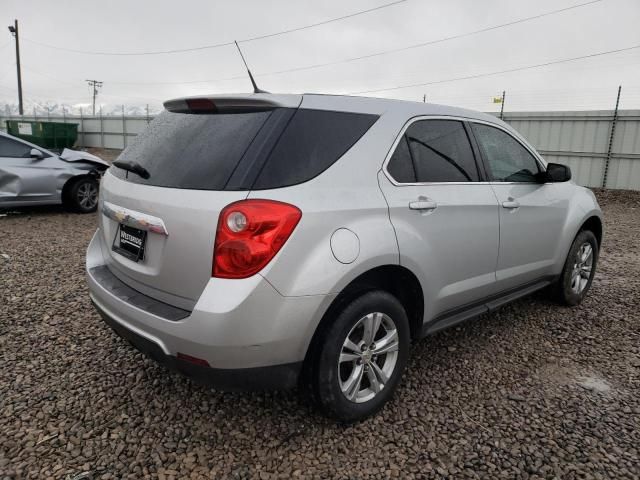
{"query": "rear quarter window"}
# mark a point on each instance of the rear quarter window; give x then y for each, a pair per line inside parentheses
(312, 142)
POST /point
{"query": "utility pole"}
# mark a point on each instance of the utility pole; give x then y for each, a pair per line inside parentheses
(14, 30)
(96, 85)
(502, 104)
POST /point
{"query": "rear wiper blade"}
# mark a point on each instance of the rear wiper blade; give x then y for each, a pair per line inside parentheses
(133, 167)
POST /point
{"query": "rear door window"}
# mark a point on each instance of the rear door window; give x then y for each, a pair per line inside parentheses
(441, 151)
(434, 151)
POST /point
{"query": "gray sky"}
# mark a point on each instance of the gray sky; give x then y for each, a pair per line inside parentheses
(57, 76)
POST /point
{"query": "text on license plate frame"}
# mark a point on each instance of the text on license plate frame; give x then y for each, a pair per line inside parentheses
(130, 242)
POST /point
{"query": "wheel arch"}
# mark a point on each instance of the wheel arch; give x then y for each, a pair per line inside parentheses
(71, 180)
(395, 279)
(594, 224)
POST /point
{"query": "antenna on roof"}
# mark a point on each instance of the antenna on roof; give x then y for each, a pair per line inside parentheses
(253, 82)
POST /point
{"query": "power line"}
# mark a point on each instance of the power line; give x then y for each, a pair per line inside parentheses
(431, 42)
(74, 84)
(372, 55)
(223, 44)
(409, 47)
(156, 52)
(261, 37)
(47, 75)
(488, 74)
(427, 83)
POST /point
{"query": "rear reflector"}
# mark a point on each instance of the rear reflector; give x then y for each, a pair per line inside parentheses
(249, 234)
(194, 360)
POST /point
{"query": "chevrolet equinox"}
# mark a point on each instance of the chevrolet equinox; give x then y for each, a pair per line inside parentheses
(268, 241)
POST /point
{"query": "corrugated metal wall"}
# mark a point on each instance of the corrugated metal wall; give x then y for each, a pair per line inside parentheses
(578, 139)
(581, 140)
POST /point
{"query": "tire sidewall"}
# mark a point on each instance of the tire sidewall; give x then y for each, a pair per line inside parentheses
(329, 394)
(568, 295)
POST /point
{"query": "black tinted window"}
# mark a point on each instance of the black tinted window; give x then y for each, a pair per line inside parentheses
(11, 148)
(441, 151)
(311, 143)
(400, 165)
(507, 159)
(192, 151)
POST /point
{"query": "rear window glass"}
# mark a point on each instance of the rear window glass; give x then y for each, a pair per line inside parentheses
(312, 142)
(192, 151)
(242, 151)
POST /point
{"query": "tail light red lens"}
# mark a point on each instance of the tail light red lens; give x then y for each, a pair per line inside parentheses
(249, 234)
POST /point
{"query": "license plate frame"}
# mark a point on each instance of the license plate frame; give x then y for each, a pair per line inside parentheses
(130, 242)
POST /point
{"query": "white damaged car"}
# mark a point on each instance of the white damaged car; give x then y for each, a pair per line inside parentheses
(32, 175)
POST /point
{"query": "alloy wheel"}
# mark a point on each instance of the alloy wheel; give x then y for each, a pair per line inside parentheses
(582, 268)
(87, 195)
(368, 357)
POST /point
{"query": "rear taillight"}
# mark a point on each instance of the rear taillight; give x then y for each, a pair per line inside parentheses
(249, 234)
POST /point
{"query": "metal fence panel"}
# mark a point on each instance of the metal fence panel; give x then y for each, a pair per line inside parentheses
(572, 134)
(627, 136)
(624, 173)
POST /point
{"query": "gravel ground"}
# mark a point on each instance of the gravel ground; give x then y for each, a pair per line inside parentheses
(533, 391)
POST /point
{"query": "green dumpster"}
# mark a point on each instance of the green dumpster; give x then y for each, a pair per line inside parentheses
(52, 135)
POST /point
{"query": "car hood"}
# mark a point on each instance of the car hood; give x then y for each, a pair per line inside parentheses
(69, 155)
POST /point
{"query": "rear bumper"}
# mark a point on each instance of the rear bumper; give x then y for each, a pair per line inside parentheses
(258, 378)
(249, 335)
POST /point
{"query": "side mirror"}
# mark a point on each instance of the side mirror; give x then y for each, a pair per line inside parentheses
(36, 154)
(558, 173)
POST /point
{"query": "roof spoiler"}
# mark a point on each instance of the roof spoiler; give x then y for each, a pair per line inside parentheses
(232, 103)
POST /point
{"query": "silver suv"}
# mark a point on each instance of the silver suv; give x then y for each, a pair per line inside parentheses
(268, 241)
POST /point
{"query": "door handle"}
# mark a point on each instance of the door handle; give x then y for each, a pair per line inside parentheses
(423, 205)
(511, 204)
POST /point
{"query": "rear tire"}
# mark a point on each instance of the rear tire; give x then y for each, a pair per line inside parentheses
(579, 269)
(361, 357)
(82, 195)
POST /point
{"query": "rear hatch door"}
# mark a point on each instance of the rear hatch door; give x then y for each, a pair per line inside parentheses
(197, 164)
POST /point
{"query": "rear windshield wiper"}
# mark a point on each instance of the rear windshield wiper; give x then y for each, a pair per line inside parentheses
(133, 167)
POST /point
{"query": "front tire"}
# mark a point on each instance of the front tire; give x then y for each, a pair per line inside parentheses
(82, 195)
(579, 269)
(361, 358)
